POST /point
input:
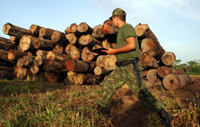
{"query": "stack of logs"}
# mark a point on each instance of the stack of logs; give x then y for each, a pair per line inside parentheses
(66, 56)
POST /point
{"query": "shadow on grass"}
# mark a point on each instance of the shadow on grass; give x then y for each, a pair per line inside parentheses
(14, 87)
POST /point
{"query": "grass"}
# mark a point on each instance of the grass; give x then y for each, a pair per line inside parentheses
(44, 104)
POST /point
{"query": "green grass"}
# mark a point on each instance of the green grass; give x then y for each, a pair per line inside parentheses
(44, 104)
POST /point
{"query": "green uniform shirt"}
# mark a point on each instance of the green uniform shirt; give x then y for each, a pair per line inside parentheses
(127, 31)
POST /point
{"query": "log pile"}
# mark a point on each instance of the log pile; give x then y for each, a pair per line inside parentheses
(66, 56)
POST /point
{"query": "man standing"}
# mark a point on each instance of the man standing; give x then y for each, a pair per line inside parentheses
(128, 70)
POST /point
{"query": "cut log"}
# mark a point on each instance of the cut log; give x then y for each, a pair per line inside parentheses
(20, 72)
(56, 56)
(42, 43)
(148, 85)
(34, 69)
(83, 28)
(13, 30)
(109, 62)
(87, 55)
(175, 82)
(35, 29)
(148, 61)
(71, 29)
(55, 66)
(152, 76)
(15, 39)
(106, 44)
(41, 53)
(152, 46)
(15, 55)
(6, 41)
(97, 47)
(46, 33)
(39, 60)
(74, 52)
(71, 37)
(28, 61)
(97, 31)
(168, 59)
(69, 80)
(51, 77)
(67, 48)
(77, 65)
(26, 42)
(4, 55)
(58, 49)
(88, 40)
(99, 61)
(101, 71)
(67, 30)
(108, 27)
(6, 44)
(164, 71)
(58, 36)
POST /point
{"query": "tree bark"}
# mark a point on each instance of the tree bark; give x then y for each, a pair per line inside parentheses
(6, 41)
(15, 55)
(15, 39)
(6, 44)
(83, 28)
(4, 55)
(88, 40)
(59, 37)
(56, 56)
(164, 71)
(97, 32)
(87, 55)
(46, 33)
(58, 49)
(35, 29)
(77, 65)
(147, 60)
(13, 30)
(42, 43)
(168, 59)
(175, 82)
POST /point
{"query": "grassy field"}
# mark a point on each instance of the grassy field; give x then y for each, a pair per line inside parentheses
(44, 104)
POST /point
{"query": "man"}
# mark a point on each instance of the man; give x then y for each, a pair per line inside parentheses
(128, 70)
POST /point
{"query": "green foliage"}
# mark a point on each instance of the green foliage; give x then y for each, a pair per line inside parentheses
(191, 67)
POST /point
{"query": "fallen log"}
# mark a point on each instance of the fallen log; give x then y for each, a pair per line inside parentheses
(175, 82)
(88, 40)
(45, 33)
(13, 30)
(35, 29)
(15, 55)
(55, 66)
(97, 31)
(6, 41)
(168, 59)
(83, 28)
(148, 61)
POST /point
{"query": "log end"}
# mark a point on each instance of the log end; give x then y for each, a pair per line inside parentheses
(56, 36)
(168, 58)
(25, 42)
(171, 82)
(11, 55)
(6, 28)
(70, 65)
(140, 29)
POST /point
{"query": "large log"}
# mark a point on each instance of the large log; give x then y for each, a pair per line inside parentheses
(15, 55)
(58, 49)
(58, 36)
(35, 29)
(6, 44)
(13, 30)
(20, 72)
(175, 82)
(109, 62)
(87, 55)
(88, 40)
(101, 71)
(45, 33)
(148, 61)
(42, 43)
(152, 46)
(71, 37)
(97, 31)
(83, 28)
(168, 59)
(77, 65)
(71, 29)
(56, 56)
(164, 71)
(74, 52)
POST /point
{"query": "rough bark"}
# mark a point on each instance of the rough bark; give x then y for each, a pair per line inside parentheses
(35, 29)
(77, 65)
(46, 33)
(15, 55)
(109, 62)
(56, 56)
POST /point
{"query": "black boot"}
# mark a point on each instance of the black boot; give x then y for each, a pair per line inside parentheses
(103, 110)
(166, 117)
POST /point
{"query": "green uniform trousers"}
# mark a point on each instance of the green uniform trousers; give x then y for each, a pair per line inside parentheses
(126, 75)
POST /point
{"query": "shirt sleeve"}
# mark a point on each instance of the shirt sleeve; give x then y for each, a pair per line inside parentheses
(129, 31)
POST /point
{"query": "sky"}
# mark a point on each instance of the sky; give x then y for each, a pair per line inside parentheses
(176, 23)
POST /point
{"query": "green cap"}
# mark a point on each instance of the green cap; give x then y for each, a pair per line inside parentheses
(117, 12)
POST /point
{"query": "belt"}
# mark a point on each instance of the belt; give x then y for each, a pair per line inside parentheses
(135, 67)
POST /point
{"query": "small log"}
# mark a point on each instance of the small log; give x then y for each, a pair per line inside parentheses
(101, 71)
(106, 44)
(71, 37)
(83, 28)
(35, 29)
(56, 56)
(164, 71)
(58, 36)
(108, 27)
(168, 59)
(20, 72)
(34, 69)
(109, 62)
(58, 49)
(147, 60)
(88, 40)
(152, 76)
(51, 77)
(99, 61)
(87, 55)
(26, 42)
(15, 55)
(55, 66)
(39, 60)
(175, 82)
(77, 65)
(97, 31)
(69, 80)
(13, 30)
(74, 52)
(28, 61)
(41, 43)
(15, 39)
(67, 48)
(6, 44)
(41, 53)
(45, 33)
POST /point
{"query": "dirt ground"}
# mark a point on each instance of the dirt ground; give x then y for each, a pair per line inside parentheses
(130, 110)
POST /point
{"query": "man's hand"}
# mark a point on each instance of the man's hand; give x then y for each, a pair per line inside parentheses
(110, 51)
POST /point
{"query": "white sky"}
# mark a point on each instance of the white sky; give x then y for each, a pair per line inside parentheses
(176, 23)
